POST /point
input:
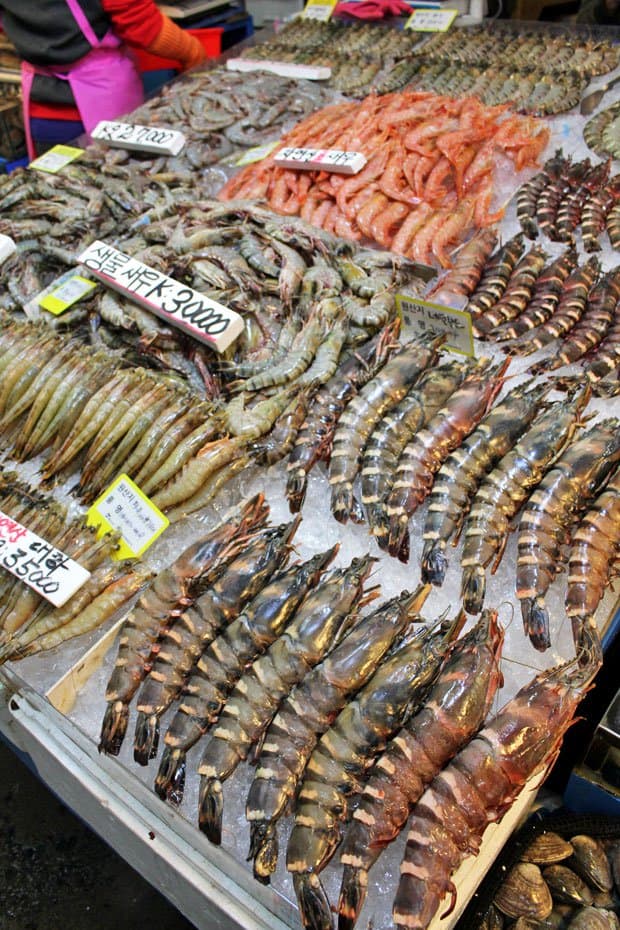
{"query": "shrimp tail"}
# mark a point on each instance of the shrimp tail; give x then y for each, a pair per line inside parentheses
(434, 562)
(114, 727)
(473, 588)
(146, 739)
(352, 896)
(314, 907)
(170, 780)
(536, 622)
(264, 850)
(211, 809)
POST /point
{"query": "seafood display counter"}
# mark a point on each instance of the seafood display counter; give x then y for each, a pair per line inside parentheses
(339, 584)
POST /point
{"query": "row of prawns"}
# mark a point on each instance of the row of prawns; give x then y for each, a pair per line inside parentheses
(430, 176)
(336, 707)
(416, 429)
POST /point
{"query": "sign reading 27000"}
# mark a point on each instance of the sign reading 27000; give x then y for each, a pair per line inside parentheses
(201, 317)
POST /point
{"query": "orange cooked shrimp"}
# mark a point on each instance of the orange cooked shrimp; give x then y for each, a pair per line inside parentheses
(439, 181)
(383, 225)
(394, 183)
(452, 231)
(401, 242)
(421, 246)
(372, 208)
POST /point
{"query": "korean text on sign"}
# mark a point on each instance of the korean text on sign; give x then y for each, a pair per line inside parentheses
(423, 318)
(124, 509)
(39, 564)
(201, 317)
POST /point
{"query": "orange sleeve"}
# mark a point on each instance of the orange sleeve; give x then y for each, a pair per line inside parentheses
(173, 42)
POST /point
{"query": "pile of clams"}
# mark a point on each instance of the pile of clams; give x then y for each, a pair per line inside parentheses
(560, 884)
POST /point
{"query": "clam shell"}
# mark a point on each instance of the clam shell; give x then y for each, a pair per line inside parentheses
(591, 918)
(566, 886)
(604, 899)
(591, 862)
(524, 893)
(548, 847)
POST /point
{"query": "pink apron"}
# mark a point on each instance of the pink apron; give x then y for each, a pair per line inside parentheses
(105, 82)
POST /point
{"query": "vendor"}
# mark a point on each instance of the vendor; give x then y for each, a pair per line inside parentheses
(77, 63)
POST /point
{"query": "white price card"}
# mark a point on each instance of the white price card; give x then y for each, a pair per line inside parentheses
(56, 158)
(423, 318)
(283, 68)
(319, 9)
(425, 20)
(123, 508)
(155, 139)
(65, 294)
(321, 159)
(181, 306)
(39, 564)
(7, 247)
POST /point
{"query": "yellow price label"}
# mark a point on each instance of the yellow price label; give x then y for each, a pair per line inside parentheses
(66, 294)
(425, 20)
(319, 9)
(56, 159)
(124, 509)
(422, 318)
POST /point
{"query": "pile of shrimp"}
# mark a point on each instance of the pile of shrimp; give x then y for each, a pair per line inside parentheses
(430, 176)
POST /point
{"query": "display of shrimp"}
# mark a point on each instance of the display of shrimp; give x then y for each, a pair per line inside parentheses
(548, 516)
(315, 436)
(346, 751)
(321, 621)
(429, 179)
(593, 557)
(363, 412)
(518, 292)
(603, 363)
(424, 455)
(182, 642)
(460, 475)
(569, 308)
(169, 594)
(588, 333)
(506, 488)
(29, 623)
(482, 782)
(221, 662)
(600, 133)
(495, 275)
(429, 394)
(309, 710)
(464, 276)
(455, 708)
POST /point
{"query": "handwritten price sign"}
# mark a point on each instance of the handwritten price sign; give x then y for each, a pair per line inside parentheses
(125, 509)
(319, 9)
(153, 139)
(423, 318)
(425, 20)
(37, 563)
(182, 306)
(323, 159)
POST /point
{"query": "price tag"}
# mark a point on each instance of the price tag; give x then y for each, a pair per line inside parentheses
(425, 20)
(321, 159)
(319, 9)
(283, 68)
(66, 294)
(124, 509)
(39, 564)
(7, 247)
(155, 139)
(423, 318)
(56, 159)
(257, 153)
(199, 316)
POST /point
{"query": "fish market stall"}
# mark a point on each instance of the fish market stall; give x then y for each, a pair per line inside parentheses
(326, 516)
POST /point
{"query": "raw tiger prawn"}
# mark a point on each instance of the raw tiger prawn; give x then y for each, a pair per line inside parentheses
(429, 394)
(221, 663)
(551, 510)
(308, 712)
(326, 614)
(454, 710)
(385, 390)
(345, 752)
(314, 439)
(516, 295)
(459, 477)
(182, 643)
(169, 594)
(422, 458)
(506, 488)
(496, 275)
(482, 782)
(592, 561)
